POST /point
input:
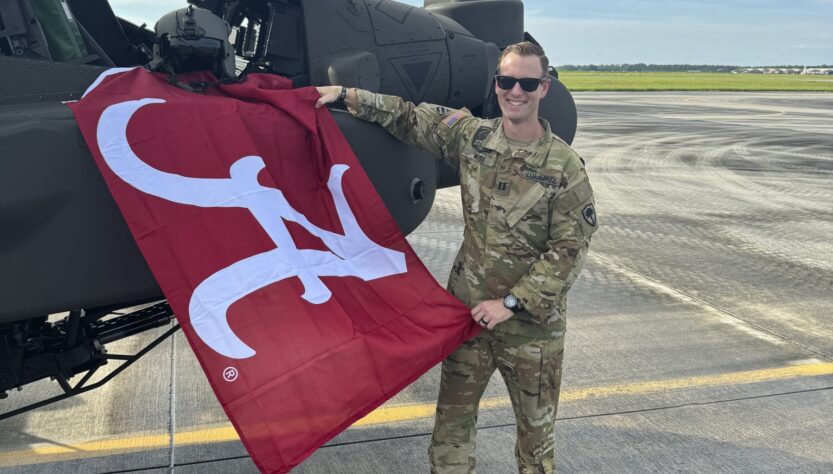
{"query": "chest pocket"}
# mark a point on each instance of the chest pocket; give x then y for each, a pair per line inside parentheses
(525, 203)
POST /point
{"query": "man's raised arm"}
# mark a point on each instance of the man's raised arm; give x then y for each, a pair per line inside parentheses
(436, 129)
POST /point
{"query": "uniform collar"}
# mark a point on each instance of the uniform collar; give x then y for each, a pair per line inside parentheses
(497, 141)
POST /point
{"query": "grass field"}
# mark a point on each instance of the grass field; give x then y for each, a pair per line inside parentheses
(692, 81)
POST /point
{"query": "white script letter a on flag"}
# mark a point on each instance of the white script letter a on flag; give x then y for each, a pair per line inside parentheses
(351, 254)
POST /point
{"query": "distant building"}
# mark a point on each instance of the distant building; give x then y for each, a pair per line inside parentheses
(816, 71)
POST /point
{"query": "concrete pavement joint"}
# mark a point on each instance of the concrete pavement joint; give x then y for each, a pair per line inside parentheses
(193, 463)
(697, 404)
(172, 409)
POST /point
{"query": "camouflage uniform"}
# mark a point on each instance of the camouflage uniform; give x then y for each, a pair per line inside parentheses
(529, 215)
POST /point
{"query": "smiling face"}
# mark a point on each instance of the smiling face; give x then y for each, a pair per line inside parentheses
(519, 106)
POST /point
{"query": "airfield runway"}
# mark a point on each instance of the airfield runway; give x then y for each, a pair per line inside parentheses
(700, 333)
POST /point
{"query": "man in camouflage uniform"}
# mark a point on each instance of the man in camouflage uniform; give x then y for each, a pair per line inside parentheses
(529, 214)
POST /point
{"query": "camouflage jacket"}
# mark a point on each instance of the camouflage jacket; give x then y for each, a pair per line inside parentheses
(528, 213)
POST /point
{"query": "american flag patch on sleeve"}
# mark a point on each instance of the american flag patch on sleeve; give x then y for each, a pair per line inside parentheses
(454, 118)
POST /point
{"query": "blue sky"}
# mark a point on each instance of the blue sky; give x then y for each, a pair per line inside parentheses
(738, 32)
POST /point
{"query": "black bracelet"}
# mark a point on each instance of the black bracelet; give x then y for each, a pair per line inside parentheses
(342, 95)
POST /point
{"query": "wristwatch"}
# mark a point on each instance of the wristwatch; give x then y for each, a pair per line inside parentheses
(342, 95)
(510, 301)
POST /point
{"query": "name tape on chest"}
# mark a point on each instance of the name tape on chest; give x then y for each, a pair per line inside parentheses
(480, 158)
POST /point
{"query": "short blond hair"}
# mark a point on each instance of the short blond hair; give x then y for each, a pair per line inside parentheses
(526, 48)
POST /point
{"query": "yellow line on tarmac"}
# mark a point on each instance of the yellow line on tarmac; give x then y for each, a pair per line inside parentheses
(703, 381)
(391, 414)
(411, 412)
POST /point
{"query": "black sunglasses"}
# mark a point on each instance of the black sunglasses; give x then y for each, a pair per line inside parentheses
(528, 84)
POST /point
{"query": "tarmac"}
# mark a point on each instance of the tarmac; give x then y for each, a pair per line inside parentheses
(700, 336)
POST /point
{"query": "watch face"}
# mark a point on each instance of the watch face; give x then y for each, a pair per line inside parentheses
(510, 301)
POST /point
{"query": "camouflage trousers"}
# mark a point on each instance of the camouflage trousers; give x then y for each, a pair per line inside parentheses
(531, 369)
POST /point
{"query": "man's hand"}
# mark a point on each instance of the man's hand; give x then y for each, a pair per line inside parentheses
(329, 94)
(490, 313)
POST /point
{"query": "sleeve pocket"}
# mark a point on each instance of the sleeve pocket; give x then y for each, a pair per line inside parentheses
(525, 203)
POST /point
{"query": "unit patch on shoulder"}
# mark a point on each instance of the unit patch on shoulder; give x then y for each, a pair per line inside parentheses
(451, 119)
(589, 214)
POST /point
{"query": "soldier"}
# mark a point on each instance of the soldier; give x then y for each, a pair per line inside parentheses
(529, 214)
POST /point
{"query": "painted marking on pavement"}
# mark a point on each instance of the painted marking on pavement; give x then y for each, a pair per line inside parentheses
(725, 316)
(43, 453)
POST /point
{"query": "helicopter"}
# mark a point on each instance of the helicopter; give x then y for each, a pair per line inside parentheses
(66, 250)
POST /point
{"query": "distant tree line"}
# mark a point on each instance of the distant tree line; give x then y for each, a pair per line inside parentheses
(642, 67)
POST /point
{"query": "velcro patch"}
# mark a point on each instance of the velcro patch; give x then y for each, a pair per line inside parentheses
(541, 178)
(480, 136)
(589, 213)
(453, 118)
(576, 196)
(479, 158)
(503, 188)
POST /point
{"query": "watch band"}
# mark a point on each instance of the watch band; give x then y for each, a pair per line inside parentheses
(342, 95)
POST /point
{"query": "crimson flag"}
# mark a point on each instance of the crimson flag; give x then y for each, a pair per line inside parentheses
(303, 302)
